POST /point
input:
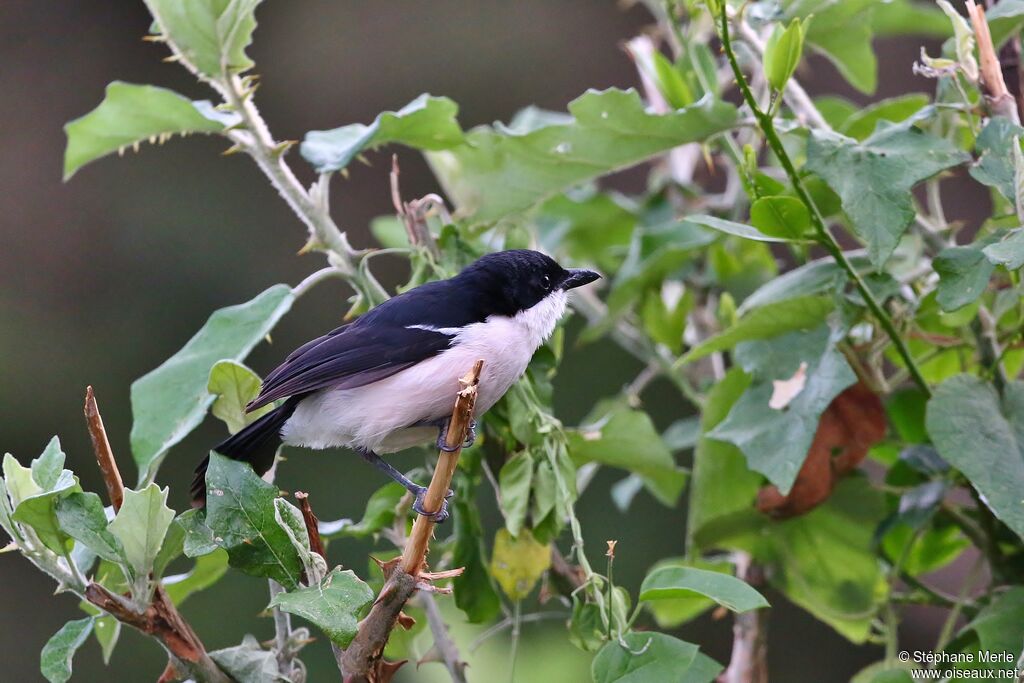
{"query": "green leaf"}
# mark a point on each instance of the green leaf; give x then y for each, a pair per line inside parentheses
(130, 114)
(207, 571)
(249, 662)
(994, 166)
(909, 17)
(587, 628)
(240, 513)
(670, 613)
(780, 216)
(234, 385)
(863, 121)
(81, 517)
(1008, 251)
(35, 505)
(815, 277)
(737, 229)
(333, 606)
(210, 35)
(995, 630)
(963, 276)
(198, 537)
(722, 482)
(886, 671)
(669, 583)
(518, 563)
(170, 401)
(380, 513)
(498, 170)
(1005, 20)
(55, 659)
(769, 320)
(515, 481)
(775, 441)
(622, 437)
(782, 53)
(141, 525)
(107, 631)
(425, 123)
(474, 592)
(874, 177)
(982, 435)
(841, 31)
(647, 657)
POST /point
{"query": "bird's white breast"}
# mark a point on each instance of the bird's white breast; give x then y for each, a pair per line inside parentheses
(377, 416)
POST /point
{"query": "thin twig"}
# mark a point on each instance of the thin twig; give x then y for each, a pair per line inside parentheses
(443, 643)
(101, 446)
(749, 661)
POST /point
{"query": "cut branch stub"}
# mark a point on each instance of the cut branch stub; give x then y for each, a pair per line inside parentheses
(104, 454)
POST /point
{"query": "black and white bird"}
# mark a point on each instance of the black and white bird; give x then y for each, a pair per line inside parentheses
(387, 381)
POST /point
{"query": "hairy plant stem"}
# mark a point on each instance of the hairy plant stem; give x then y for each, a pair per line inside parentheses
(825, 238)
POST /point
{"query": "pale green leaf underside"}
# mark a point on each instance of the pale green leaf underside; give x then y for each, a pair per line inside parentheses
(211, 35)
(55, 659)
(130, 114)
(680, 582)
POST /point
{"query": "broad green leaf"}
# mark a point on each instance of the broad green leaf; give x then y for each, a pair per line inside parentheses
(249, 662)
(425, 123)
(775, 441)
(498, 171)
(81, 517)
(170, 401)
(590, 227)
(722, 482)
(963, 276)
(815, 277)
(198, 537)
(141, 525)
(515, 481)
(874, 178)
(207, 571)
(240, 513)
(996, 629)
(380, 512)
(518, 563)
(588, 629)
(673, 612)
(474, 592)
(128, 115)
(782, 53)
(623, 437)
(646, 657)
(1005, 20)
(769, 320)
(913, 17)
(841, 31)
(234, 385)
(55, 659)
(334, 605)
(1008, 251)
(994, 166)
(780, 216)
(886, 671)
(210, 35)
(36, 505)
(107, 631)
(681, 582)
(932, 550)
(863, 121)
(734, 228)
(982, 434)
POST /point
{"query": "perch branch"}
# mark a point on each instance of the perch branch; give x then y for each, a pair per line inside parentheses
(362, 660)
(1000, 101)
(161, 618)
(443, 642)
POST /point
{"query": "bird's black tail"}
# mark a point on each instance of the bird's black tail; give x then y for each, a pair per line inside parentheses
(256, 444)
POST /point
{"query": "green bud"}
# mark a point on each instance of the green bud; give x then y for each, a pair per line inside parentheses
(726, 310)
(782, 53)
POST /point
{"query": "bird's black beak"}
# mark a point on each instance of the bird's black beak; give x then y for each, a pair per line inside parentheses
(577, 277)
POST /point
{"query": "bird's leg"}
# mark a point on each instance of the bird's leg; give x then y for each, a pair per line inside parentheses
(419, 492)
(442, 437)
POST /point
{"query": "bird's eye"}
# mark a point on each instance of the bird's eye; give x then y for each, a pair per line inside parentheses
(546, 281)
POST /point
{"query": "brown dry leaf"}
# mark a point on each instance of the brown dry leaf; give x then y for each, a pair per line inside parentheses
(852, 424)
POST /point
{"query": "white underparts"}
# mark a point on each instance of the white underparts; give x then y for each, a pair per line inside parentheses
(378, 416)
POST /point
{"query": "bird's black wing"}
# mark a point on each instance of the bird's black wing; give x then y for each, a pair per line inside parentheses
(350, 356)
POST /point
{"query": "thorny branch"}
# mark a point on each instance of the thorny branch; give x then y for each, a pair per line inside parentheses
(362, 659)
(160, 618)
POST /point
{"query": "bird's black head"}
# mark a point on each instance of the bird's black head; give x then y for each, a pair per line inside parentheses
(519, 279)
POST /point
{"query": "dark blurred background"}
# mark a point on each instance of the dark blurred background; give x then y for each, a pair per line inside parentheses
(103, 278)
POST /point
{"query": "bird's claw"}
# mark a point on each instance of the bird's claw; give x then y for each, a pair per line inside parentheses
(438, 516)
(442, 438)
